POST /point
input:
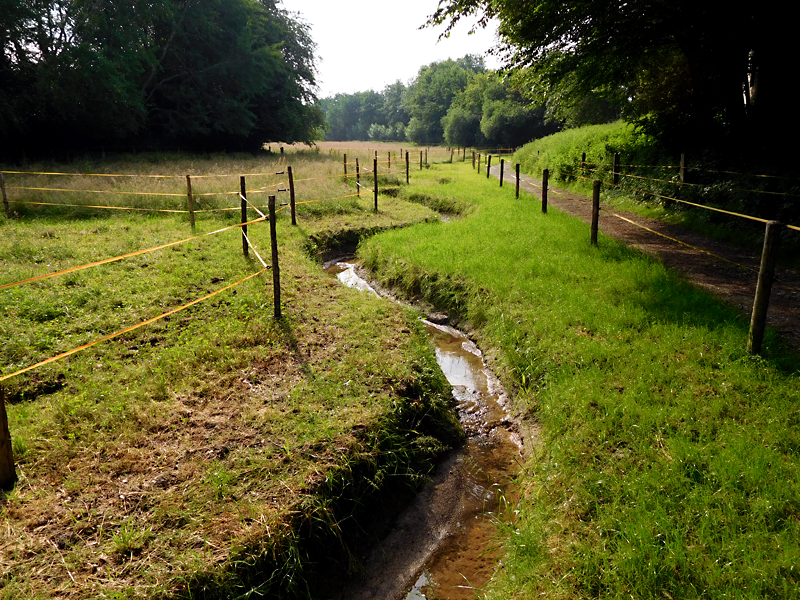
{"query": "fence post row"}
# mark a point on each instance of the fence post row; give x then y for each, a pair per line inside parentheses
(188, 193)
(375, 178)
(291, 194)
(766, 275)
(545, 181)
(5, 196)
(243, 192)
(276, 273)
(8, 473)
(595, 209)
(517, 176)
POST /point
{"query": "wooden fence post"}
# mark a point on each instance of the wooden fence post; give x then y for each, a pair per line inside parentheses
(5, 196)
(595, 209)
(479, 164)
(502, 168)
(489, 166)
(420, 160)
(8, 474)
(407, 168)
(545, 180)
(583, 161)
(426, 157)
(345, 168)
(683, 168)
(615, 170)
(473, 159)
(766, 275)
(451, 156)
(291, 195)
(189, 195)
(276, 272)
(389, 167)
(358, 179)
(517, 175)
(243, 198)
(375, 178)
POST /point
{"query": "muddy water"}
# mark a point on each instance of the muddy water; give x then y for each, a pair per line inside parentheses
(445, 546)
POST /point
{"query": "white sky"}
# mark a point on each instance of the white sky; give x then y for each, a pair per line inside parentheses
(368, 45)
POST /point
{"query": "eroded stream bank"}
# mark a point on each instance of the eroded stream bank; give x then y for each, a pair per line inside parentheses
(444, 545)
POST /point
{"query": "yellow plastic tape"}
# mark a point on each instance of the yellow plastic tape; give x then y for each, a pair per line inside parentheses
(128, 329)
(117, 258)
(685, 243)
(106, 207)
(37, 189)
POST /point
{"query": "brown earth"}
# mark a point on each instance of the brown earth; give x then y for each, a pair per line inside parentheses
(729, 272)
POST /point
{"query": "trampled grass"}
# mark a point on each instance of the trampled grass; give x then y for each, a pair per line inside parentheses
(200, 455)
(669, 465)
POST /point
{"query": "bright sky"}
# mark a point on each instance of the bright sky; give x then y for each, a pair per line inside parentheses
(368, 45)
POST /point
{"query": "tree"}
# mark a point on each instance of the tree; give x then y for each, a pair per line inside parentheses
(491, 112)
(432, 93)
(678, 69)
(206, 74)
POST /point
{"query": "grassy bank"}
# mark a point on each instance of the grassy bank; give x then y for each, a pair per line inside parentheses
(651, 176)
(669, 465)
(216, 451)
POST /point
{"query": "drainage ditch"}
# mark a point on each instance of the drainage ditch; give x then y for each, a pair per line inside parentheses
(445, 544)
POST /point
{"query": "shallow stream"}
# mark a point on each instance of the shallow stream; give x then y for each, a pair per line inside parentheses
(444, 545)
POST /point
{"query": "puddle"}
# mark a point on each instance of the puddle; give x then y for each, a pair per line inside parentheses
(444, 545)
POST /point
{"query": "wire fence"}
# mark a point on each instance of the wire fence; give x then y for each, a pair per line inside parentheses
(611, 178)
(246, 204)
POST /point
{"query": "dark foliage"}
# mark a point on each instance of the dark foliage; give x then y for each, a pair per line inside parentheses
(198, 74)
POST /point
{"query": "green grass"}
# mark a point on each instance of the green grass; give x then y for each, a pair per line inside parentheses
(654, 171)
(668, 463)
(216, 451)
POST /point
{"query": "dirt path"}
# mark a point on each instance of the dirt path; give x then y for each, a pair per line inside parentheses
(729, 272)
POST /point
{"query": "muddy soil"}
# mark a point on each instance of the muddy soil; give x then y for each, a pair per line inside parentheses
(729, 272)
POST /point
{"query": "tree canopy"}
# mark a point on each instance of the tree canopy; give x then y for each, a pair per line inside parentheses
(686, 71)
(202, 74)
(490, 112)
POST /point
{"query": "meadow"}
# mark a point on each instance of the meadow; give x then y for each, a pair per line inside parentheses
(215, 452)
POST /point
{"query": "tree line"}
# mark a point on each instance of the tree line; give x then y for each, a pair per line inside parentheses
(196, 74)
(695, 75)
(457, 102)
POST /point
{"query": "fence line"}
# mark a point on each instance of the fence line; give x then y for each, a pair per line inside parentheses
(128, 329)
(123, 256)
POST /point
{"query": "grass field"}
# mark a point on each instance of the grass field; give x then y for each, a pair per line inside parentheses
(215, 451)
(190, 457)
(670, 459)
